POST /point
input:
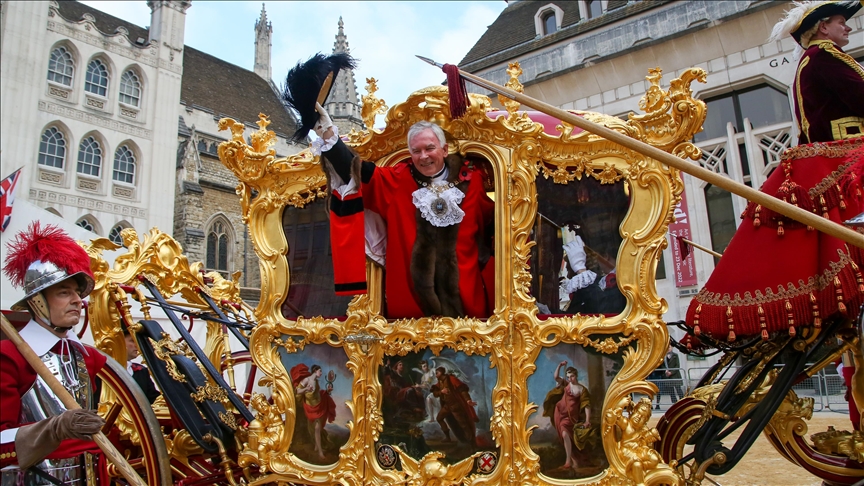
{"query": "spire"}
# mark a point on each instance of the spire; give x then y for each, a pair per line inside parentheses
(263, 44)
(343, 103)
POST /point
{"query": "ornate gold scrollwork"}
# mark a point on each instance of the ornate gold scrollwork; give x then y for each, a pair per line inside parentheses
(210, 391)
(518, 150)
(371, 105)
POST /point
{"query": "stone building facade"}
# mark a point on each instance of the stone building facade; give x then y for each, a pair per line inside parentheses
(595, 55)
(115, 125)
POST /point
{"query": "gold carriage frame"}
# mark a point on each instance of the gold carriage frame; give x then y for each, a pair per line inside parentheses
(519, 151)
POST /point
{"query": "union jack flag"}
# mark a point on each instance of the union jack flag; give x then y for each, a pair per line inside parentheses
(7, 197)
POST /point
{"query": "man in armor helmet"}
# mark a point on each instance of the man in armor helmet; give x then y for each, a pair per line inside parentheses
(40, 441)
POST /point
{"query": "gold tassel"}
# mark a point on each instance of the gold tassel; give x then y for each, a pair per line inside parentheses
(858, 277)
(756, 221)
(824, 208)
(731, 336)
(696, 330)
(838, 289)
(762, 324)
(817, 321)
(842, 202)
(780, 230)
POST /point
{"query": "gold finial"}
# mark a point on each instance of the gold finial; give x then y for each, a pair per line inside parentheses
(512, 106)
(371, 105)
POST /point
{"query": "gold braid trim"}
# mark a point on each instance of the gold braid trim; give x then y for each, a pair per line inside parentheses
(803, 124)
(828, 182)
(816, 283)
(829, 47)
(833, 150)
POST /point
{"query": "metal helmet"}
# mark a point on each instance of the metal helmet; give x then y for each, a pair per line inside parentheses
(40, 257)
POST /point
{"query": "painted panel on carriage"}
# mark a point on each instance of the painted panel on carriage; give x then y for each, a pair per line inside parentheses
(311, 292)
(569, 387)
(593, 212)
(437, 403)
(322, 386)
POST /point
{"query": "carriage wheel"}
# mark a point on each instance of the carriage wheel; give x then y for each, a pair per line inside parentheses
(676, 427)
(132, 425)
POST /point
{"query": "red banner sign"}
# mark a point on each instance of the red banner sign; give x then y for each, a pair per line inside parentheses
(685, 266)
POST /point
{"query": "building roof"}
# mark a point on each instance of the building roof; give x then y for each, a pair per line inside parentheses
(513, 34)
(228, 90)
(107, 24)
(209, 83)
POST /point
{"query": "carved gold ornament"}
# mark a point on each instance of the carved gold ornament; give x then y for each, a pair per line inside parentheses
(519, 151)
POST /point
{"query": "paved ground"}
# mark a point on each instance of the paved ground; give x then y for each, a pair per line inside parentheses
(763, 465)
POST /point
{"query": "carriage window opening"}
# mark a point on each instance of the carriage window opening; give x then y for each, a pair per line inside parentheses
(61, 67)
(89, 157)
(97, 78)
(721, 218)
(124, 165)
(130, 88)
(549, 26)
(52, 149)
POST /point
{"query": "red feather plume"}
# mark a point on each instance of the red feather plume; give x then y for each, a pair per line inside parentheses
(48, 244)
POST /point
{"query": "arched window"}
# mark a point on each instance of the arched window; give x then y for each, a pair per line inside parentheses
(61, 67)
(124, 165)
(89, 157)
(217, 247)
(86, 224)
(130, 88)
(549, 26)
(96, 81)
(114, 235)
(52, 148)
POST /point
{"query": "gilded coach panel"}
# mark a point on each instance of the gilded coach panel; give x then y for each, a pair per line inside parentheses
(532, 163)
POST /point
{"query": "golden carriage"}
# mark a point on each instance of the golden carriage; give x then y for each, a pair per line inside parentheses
(538, 171)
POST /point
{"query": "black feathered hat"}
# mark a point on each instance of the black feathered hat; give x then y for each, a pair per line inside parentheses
(804, 15)
(310, 82)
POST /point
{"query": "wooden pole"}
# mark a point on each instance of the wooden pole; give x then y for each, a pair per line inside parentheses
(700, 247)
(60, 391)
(770, 202)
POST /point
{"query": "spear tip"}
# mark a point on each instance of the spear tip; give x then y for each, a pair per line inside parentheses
(430, 61)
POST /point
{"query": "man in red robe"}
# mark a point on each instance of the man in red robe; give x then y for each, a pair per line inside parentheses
(435, 212)
(36, 439)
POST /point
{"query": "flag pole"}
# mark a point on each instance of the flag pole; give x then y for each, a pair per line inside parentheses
(60, 392)
(700, 247)
(770, 202)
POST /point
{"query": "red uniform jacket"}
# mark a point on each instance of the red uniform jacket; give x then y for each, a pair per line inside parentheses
(16, 378)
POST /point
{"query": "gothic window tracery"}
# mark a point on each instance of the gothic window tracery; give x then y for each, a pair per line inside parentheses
(218, 246)
(61, 67)
(86, 224)
(114, 234)
(96, 81)
(89, 157)
(124, 165)
(130, 89)
(52, 148)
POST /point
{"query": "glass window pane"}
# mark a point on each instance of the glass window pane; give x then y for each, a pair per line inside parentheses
(721, 218)
(89, 157)
(549, 23)
(211, 250)
(96, 81)
(52, 148)
(764, 106)
(114, 235)
(720, 112)
(223, 252)
(595, 8)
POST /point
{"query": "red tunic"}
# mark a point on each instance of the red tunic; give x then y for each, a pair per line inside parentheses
(16, 378)
(829, 85)
(776, 273)
(388, 193)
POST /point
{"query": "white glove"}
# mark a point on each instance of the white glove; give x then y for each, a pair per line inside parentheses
(576, 282)
(324, 121)
(575, 251)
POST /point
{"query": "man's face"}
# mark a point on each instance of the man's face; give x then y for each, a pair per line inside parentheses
(427, 153)
(131, 347)
(424, 367)
(439, 374)
(399, 367)
(835, 30)
(64, 303)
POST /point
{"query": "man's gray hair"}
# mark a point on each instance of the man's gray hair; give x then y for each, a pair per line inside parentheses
(425, 125)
